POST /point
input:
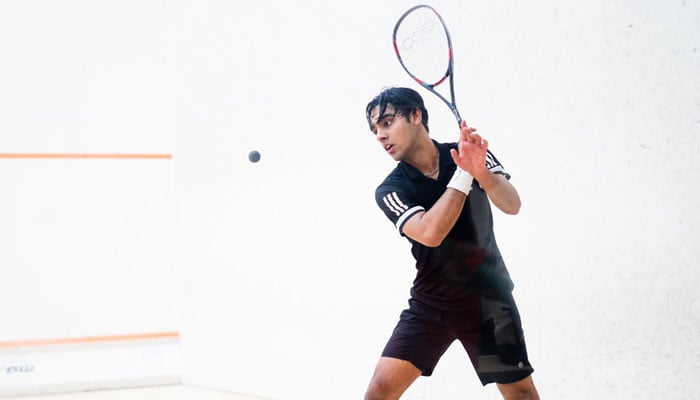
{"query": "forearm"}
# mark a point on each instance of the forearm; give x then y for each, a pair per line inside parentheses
(501, 193)
(432, 226)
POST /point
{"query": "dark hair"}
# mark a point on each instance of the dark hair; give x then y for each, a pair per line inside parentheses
(404, 101)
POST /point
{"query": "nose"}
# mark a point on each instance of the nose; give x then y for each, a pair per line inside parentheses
(381, 134)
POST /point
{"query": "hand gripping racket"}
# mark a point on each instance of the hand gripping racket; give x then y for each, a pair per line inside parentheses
(423, 46)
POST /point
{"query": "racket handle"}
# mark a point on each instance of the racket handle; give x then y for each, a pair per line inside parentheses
(461, 180)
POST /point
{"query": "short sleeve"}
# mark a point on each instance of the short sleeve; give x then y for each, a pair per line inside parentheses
(494, 165)
(397, 205)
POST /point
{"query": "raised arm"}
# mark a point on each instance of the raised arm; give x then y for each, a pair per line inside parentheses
(500, 191)
(472, 158)
(432, 226)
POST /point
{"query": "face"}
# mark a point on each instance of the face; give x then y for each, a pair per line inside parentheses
(393, 131)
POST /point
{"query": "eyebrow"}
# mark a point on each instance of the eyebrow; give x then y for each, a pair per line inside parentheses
(387, 115)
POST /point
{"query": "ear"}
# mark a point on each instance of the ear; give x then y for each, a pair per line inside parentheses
(416, 116)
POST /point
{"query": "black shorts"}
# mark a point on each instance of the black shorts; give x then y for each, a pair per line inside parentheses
(490, 331)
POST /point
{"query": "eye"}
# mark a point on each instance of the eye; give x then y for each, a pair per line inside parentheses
(384, 122)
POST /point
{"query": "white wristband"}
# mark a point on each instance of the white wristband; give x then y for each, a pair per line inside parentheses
(461, 180)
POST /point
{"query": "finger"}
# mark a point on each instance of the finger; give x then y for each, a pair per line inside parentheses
(455, 156)
(475, 138)
(464, 132)
(462, 128)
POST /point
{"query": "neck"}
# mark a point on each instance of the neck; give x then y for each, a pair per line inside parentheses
(427, 161)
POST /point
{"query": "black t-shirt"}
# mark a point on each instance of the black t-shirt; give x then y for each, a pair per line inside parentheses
(467, 263)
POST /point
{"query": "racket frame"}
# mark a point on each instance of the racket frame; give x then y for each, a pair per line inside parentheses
(449, 74)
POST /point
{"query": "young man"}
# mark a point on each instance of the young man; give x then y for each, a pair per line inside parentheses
(438, 198)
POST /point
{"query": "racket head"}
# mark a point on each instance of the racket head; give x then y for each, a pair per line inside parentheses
(423, 46)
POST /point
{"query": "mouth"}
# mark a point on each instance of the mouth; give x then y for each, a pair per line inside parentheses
(388, 147)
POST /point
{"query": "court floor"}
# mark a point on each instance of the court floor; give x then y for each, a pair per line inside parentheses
(170, 392)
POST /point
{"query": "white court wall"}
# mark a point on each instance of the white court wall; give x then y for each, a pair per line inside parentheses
(294, 277)
(287, 278)
(87, 213)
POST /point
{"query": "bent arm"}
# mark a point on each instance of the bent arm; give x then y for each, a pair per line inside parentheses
(471, 157)
(500, 191)
(431, 227)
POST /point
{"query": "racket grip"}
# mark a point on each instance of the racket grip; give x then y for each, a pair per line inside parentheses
(461, 180)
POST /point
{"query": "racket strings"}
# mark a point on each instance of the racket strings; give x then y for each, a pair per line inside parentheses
(422, 45)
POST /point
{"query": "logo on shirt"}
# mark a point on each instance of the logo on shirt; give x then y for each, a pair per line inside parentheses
(395, 204)
(491, 161)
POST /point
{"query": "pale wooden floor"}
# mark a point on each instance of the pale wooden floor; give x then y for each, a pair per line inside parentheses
(170, 392)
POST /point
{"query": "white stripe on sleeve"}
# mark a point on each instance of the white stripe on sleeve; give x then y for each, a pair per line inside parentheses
(408, 214)
(394, 204)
